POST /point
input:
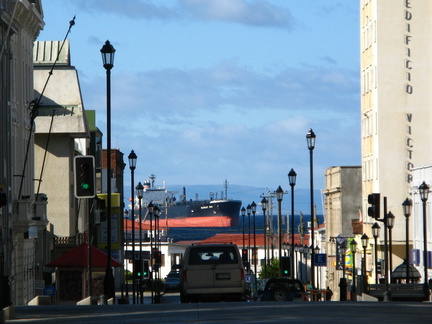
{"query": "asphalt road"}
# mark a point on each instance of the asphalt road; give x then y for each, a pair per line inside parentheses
(253, 312)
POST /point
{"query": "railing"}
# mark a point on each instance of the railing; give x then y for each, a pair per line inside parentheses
(401, 291)
(69, 240)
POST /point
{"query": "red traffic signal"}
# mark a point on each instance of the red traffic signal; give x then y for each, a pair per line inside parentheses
(244, 255)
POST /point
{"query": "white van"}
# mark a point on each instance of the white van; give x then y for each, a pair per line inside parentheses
(212, 271)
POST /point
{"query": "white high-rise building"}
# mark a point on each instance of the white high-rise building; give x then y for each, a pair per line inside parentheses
(396, 104)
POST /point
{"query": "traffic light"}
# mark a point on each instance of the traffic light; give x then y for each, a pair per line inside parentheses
(286, 266)
(374, 209)
(138, 266)
(84, 170)
(244, 255)
(146, 269)
(379, 266)
(157, 256)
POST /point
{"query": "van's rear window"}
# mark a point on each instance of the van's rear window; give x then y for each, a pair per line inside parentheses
(213, 255)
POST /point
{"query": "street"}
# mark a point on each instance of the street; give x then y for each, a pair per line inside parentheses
(237, 312)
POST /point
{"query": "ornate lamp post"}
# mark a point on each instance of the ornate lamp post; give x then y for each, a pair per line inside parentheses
(150, 208)
(264, 205)
(310, 138)
(108, 63)
(132, 165)
(279, 197)
(407, 206)
(243, 213)
(292, 175)
(248, 211)
(353, 248)
(365, 242)
(156, 213)
(253, 208)
(424, 193)
(390, 224)
(376, 233)
(139, 192)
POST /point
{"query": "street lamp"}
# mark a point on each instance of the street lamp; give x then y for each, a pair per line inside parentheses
(310, 139)
(253, 208)
(264, 205)
(108, 63)
(156, 213)
(353, 248)
(150, 208)
(248, 211)
(279, 197)
(243, 213)
(132, 165)
(390, 224)
(424, 193)
(407, 206)
(139, 193)
(292, 175)
(376, 233)
(365, 242)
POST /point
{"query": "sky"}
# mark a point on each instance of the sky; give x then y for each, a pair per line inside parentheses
(208, 90)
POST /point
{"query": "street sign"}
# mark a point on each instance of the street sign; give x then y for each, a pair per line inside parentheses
(320, 259)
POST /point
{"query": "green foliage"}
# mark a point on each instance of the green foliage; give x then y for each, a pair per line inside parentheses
(271, 270)
(128, 275)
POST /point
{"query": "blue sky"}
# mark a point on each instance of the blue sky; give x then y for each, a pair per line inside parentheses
(208, 90)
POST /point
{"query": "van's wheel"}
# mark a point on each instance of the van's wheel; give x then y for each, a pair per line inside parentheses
(279, 294)
(183, 298)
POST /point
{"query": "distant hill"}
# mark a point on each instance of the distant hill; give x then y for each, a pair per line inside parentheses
(248, 194)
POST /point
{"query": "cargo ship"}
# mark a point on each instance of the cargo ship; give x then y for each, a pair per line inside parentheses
(211, 212)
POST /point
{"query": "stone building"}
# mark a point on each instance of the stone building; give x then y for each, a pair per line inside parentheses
(396, 119)
(22, 213)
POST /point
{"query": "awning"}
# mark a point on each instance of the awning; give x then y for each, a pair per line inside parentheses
(78, 257)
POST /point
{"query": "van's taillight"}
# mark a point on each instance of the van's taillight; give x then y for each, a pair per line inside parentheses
(242, 274)
(184, 275)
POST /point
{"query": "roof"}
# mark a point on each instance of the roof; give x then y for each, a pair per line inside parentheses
(237, 238)
(78, 257)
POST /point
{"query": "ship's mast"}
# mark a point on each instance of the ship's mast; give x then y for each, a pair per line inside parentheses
(152, 179)
(226, 188)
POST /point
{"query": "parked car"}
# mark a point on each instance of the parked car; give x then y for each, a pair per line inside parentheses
(172, 284)
(173, 274)
(212, 271)
(284, 289)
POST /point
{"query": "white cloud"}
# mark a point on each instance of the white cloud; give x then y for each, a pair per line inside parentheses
(254, 12)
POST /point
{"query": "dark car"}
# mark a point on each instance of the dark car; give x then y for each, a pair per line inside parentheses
(172, 284)
(173, 274)
(284, 290)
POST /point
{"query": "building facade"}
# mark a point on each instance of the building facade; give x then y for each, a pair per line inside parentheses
(22, 214)
(396, 119)
(342, 204)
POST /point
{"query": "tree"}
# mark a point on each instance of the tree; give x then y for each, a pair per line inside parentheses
(271, 270)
